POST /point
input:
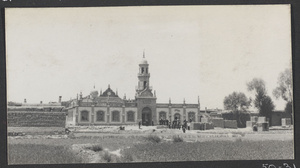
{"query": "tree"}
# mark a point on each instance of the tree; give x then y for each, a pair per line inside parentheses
(237, 102)
(262, 101)
(284, 90)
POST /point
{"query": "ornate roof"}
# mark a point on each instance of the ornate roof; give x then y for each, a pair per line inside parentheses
(108, 93)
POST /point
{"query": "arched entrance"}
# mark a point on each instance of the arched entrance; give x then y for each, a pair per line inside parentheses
(146, 116)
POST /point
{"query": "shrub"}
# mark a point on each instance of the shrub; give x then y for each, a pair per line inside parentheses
(154, 138)
(127, 156)
(71, 136)
(107, 156)
(177, 139)
(95, 148)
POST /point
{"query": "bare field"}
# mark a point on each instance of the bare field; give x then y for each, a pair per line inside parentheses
(136, 147)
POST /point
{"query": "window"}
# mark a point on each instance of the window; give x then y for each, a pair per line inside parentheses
(84, 116)
(100, 116)
(142, 70)
(146, 70)
(145, 84)
(130, 116)
(162, 115)
(115, 116)
(191, 116)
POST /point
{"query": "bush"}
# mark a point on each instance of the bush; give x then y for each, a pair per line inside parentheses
(177, 139)
(153, 138)
(95, 148)
(127, 157)
(107, 156)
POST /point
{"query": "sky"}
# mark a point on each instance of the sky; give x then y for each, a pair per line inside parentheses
(205, 51)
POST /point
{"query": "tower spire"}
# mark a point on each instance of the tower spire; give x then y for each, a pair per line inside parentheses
(144, 53)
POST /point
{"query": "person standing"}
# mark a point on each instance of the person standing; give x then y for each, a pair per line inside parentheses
(140, 125)
(183, 128)
(188, 125)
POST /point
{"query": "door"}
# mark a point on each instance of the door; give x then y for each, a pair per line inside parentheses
(146, 116)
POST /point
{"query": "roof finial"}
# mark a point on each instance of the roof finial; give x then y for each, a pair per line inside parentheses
(117, 91)
(198, 100)
(108, 85)
(183, 100)
(94, 85)
(169, 100)
(144, 53)
(124, 96)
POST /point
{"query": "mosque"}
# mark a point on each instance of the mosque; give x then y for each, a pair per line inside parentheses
(108, 108)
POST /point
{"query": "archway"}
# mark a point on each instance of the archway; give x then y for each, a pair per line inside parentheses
(146, 116)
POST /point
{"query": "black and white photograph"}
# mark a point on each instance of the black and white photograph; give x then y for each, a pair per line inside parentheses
(140, 84)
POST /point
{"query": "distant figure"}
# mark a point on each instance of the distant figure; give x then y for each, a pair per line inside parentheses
(188, 125)
(140, 125)
(174, 124)
(152, 123)
(184, 125)
(183, 128)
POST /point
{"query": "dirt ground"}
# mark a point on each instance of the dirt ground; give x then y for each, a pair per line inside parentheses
(114, 140)
(91, 134)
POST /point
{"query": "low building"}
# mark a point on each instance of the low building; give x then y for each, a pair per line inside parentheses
(277, 116)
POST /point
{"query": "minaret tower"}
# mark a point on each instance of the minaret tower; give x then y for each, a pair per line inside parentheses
(143, 76)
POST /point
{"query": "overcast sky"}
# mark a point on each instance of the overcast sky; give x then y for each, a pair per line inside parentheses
(206, 51)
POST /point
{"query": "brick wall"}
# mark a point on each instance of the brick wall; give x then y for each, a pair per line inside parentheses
(35, 119)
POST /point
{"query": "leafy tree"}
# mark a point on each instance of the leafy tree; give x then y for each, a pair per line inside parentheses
(284, 90)
(262, 101)
(238, 103)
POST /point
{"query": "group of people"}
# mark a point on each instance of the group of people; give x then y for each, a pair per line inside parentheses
(176, 124)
